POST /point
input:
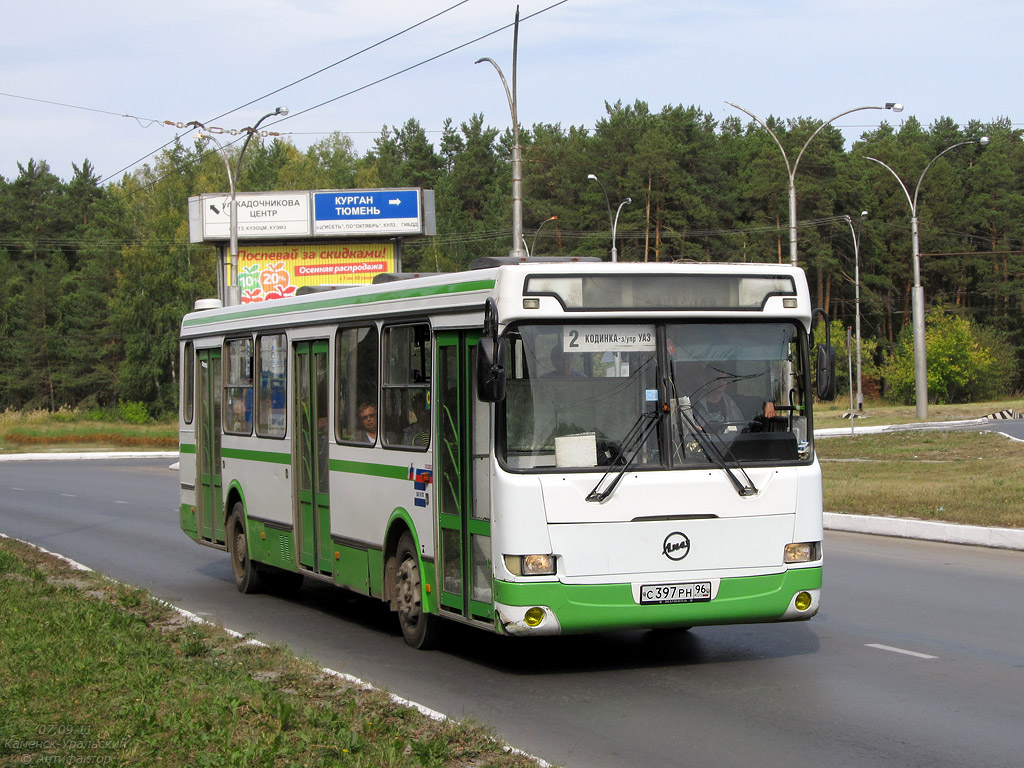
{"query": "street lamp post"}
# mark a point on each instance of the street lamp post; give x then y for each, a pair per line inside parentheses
(856, 284)
(231, 292)
(612, 220)
(917, 292)
(517, 150)
(615, 225)
(533, 245)
(791, 169)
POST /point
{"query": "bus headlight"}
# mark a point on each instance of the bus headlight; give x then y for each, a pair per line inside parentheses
(802, 552)
(530, 565)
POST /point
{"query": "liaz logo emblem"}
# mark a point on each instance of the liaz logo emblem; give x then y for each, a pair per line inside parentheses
(676, 546)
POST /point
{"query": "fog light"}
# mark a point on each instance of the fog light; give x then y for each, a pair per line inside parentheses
(802, 601)
(534, 616)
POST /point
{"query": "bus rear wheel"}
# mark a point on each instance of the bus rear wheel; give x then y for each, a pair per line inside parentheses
(418, 627)
(248, 578)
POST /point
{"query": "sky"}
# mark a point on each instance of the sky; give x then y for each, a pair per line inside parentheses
(96, 80)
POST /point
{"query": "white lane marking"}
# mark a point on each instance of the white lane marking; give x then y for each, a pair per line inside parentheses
(900, 650)
(69, 495)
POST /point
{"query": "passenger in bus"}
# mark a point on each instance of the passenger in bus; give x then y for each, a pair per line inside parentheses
(368, 423)
(418, 431)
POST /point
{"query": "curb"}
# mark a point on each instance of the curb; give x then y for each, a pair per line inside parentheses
(88, 456)
(919, 427)
(949, 533)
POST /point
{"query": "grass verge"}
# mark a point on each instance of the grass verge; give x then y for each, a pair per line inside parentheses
(97, 673)
(957, 477)
(878, 412)
(44, 431)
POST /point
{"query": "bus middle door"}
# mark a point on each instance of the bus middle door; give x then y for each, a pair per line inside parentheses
(311, 464)
(208, 433)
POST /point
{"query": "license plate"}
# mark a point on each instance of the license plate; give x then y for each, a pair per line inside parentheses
(694, 592)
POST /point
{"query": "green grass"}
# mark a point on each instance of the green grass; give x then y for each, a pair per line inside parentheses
(93, 672)
(43, 431)
(958, 477)
(829, 415)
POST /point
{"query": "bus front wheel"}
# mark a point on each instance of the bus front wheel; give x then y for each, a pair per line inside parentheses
(247, 578)
(418, 627)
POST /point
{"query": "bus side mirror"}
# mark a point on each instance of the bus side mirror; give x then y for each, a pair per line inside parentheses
(826, 386)
(490, 370)
(825, 361)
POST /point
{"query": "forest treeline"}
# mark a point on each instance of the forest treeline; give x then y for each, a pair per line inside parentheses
(94, 279)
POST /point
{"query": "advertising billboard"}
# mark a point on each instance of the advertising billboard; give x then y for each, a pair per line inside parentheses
(275, 271)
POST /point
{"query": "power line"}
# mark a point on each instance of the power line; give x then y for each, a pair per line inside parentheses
(368, 85)
(140, 120)
(296, 82)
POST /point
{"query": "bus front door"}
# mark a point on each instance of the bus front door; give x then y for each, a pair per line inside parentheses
(463, 450)
(208, 432)
(310, 459)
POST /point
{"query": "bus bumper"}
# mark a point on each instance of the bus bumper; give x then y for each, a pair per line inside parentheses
(551, 608)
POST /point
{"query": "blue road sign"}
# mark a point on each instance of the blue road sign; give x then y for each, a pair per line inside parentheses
(367, 211)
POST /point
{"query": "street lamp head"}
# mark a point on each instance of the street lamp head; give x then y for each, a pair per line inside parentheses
(628, 201)
(894, 106)
(281, 111)
(592, 176)
(983, 141)
(863, 214)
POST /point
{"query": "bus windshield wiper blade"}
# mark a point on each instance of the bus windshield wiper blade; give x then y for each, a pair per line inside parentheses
(631, 443)
(709, 442)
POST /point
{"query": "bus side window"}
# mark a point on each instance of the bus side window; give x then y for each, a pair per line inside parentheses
(238, 387)
(406, 386)
(271, 394)
(188, 384)
(357, 356)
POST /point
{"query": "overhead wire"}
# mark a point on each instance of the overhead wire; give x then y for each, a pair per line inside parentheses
(293, 83)
(367, 85)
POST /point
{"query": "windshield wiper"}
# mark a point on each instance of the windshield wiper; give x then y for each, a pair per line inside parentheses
(709, 443)
(631, 444)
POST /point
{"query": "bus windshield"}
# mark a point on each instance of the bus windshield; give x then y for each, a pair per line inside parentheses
(720, 392)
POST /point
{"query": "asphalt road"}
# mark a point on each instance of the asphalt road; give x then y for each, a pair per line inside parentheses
(916, 659)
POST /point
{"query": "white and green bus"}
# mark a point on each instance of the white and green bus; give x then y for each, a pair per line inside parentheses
(532, 447)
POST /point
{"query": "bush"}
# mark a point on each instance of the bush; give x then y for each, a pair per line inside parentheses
(132, 412)
(966, 363)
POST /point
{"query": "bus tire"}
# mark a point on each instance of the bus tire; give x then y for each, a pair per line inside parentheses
(248, 578)
(419, 628)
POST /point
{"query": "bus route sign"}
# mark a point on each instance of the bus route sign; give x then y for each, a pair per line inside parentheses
(377, 212)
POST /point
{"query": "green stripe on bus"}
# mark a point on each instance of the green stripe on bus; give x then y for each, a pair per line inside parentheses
(186, 447)
(337, 465)
(271, 308)
(264, 456)
(372, 470)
